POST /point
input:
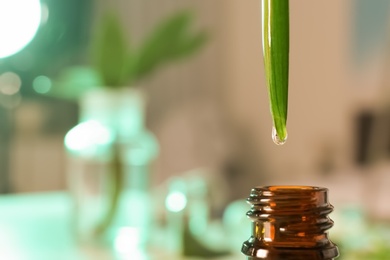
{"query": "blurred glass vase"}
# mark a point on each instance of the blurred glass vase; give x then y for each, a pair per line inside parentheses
(110, 153)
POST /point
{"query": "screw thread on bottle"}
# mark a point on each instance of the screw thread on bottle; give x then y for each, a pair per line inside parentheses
(289, 222)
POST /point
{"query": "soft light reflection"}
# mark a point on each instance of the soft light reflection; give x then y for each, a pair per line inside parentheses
(127, 244)
(176, 201)
(268, 231)
(87, 135)
(261, 253)
(127, 240)
(45, 13)
(19, 22)
(42, 84)
(10, 83)
(8, 244)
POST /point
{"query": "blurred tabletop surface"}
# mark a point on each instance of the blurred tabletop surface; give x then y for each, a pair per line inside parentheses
(36, 226)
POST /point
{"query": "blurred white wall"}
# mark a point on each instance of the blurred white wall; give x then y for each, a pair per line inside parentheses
(319, 100)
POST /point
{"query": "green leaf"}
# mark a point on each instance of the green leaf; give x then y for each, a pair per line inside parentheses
(111, 52)
(189, 45)
(171, 40)
(276, 59)
(115, 63)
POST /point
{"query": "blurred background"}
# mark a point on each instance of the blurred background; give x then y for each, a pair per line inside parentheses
(185, 156)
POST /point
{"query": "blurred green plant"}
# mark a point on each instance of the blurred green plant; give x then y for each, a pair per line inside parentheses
(116, 63)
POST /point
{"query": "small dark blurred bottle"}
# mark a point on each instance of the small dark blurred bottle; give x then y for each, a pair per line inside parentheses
(289, 222)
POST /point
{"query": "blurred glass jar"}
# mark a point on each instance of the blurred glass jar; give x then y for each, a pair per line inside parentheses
(110, 153)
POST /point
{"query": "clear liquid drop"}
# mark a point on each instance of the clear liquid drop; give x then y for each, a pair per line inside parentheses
(276, 138)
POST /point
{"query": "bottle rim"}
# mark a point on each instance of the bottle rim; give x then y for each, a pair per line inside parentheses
(290, 188)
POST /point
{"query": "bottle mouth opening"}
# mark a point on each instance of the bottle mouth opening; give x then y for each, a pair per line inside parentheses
(290, 191)
(290, 188)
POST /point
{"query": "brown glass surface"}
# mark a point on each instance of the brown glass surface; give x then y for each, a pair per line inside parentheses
(289, 222)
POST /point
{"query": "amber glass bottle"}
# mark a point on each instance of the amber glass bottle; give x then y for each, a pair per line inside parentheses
(289, 223)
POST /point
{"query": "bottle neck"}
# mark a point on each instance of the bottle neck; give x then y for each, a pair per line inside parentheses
(122, 110)
(289, 220)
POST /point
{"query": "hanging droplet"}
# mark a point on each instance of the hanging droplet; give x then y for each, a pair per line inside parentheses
(276, 138)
